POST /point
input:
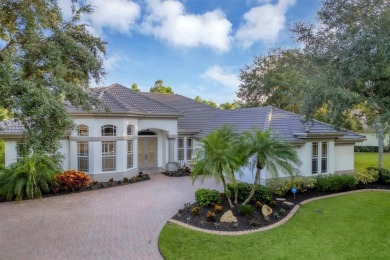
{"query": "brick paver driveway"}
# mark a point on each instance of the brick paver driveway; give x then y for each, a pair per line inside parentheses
(114, 223)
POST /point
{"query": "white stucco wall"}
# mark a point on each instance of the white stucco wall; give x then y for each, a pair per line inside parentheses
(10, 152)
(372, 139)
(344, 158)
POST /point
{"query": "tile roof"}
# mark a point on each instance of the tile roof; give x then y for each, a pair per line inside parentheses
(118, 98)
(11, 126)
(196, 115)
(200, 119)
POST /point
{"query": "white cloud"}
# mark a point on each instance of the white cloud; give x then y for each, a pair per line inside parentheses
(221, 76)
(263, 23)
(116, 15)
(113, 61)
(168, 21)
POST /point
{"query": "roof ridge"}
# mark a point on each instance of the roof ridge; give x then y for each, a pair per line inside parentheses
(268, 117)
(125, 104)
(160, 102)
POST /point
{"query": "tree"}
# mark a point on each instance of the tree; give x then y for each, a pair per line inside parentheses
(217, 157)
(272, 79)
(45, 62)
(267, 152)
(160, 88)
(347, 60)
(206, 102)
(228, 106)
(134, 87)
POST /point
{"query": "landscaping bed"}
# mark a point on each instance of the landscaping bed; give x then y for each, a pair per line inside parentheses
(81, 183)
(255, 219)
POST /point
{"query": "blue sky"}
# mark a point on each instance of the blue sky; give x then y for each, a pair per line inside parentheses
(195, 46)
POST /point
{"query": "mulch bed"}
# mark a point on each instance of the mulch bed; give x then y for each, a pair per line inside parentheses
(256, 221)
(177, 173)
(95, 186)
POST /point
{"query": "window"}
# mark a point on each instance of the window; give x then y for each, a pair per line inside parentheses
(108, 156)
(82, 156)
(180, 148)
(324, 157)
(314, 158)
(184, 148)
(20, 150)
(108, 130)
(82, 130)
(130, 154)
(189, 148)
(130, 130)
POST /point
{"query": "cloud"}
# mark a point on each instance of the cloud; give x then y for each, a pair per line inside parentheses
(116, 15)
(169, 21)
(263, 23)
(221, 76)
(113, 61)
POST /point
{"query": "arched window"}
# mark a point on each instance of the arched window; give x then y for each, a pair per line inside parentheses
(108, 130)
(130, 130)
(82, 130)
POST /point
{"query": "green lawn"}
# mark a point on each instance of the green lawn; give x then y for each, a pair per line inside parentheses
(364, 160)
(354, 226)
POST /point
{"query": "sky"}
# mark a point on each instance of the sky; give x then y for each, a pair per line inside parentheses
(197, 47)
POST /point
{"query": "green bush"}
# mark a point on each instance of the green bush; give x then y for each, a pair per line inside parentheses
(262, 193)
(29, 178)
(370, 149)
(384, 175)
(2, 154)
(335, 182)
(207, 197)
(280, 187)
(246, 210)
(366, 176)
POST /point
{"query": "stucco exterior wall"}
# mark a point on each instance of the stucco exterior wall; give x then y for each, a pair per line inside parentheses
(372, 139)
(344, 158)
(10, 152)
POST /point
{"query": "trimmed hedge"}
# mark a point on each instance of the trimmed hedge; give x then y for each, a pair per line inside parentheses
(207, 197)
(262, 193)
(384, 175)
(281, 187)
(370, 149)
(335, 182)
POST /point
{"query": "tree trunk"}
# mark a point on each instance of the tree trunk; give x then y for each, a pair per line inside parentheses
(257, 177)
(380, 143)
(236, 195)
(226, 190)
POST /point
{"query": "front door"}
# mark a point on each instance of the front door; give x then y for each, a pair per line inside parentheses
(147, 152)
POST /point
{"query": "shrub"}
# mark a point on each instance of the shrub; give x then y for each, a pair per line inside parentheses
(29, 178)
(366, 176)
(195, 211)
(2, 154)
(71, 180)
(280, 187)
(211, 216)
(218, 208)
(383, 175)
(262, 193)
(246, 210)
(335, 182)
(207, 197)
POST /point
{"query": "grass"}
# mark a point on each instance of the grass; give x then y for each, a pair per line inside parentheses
(364, 160)
(353, 226)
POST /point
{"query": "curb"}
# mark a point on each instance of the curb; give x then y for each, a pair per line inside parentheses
(281, 222)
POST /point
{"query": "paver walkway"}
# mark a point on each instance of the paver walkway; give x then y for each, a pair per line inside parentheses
(113, 223)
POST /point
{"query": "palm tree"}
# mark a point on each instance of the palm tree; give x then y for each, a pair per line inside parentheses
(217, 157)
(266, 151)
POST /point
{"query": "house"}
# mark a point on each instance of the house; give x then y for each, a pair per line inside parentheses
(151, 131)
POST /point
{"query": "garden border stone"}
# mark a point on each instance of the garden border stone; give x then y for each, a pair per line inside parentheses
(281, 222)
